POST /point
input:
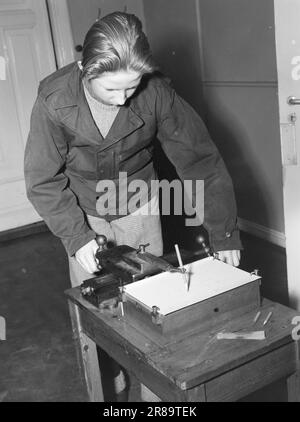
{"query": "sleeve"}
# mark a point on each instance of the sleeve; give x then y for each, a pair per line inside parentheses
(46, 184)
(187, 144)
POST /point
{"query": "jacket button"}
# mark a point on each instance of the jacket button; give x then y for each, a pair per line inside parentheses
(227, 234)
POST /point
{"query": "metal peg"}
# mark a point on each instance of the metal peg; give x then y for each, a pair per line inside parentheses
(142, 248)
(155, 310)
(87, 291)
(155, 315)
(292, 117)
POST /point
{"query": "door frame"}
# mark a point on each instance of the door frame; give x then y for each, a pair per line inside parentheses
(287, 50)
(61, 31)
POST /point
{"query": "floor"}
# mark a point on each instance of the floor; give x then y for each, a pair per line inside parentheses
(38, 360)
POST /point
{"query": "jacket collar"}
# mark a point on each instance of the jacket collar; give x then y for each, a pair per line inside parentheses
(75, 112)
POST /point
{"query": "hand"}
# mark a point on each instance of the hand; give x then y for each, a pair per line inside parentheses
(230, 257)
(85, 256)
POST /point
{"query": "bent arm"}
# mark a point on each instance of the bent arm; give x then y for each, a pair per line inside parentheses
(187, 144)
(46, 184)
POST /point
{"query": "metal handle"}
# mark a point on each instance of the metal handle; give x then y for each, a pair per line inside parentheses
(102, 242)
(293, 101)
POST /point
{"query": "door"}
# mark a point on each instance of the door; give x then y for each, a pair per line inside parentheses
(26, 56)
(287, 35)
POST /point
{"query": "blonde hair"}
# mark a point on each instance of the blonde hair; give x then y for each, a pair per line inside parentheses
(116, 42)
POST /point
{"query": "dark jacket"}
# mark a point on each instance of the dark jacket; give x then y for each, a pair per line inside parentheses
(66, 155)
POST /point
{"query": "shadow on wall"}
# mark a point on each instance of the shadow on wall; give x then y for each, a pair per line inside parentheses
(227, 132)
(250, 181)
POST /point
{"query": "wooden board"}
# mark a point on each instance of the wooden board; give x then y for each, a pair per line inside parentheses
(207, 278)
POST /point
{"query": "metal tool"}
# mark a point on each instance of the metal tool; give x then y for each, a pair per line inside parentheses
(119, 266)
(181, 267)
(268, 318)
(250, 335)
(206, 248)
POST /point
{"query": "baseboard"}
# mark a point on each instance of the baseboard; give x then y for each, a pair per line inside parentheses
(262, 232)
(254, 229)
(27, 230)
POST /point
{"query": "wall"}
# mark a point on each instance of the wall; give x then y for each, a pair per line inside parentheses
(240, 90)
(173, 33)
(221, 58)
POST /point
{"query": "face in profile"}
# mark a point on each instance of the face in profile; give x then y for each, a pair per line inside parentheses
(114, 88)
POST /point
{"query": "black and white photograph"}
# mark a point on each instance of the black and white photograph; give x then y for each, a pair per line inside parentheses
(150, 207)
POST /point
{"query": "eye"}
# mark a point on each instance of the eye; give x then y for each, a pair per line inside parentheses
(117, 90)
(131, 90)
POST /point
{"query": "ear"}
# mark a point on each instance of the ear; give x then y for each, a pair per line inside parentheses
(80, 65)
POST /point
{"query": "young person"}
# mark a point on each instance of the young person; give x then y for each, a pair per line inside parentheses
(96, 119)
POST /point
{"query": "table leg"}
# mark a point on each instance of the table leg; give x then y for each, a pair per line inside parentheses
(196, 394)
(87, 357)
(293, 382)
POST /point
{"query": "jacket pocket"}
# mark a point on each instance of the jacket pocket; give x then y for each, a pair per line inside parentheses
(83, 162)
(133, 162)
(107, 164)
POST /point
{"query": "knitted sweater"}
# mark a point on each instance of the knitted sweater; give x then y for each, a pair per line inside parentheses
(103, 115)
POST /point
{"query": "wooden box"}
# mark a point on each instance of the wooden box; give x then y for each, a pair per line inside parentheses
(217, 292)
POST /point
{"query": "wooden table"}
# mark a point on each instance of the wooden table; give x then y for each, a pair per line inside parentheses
(196, 366)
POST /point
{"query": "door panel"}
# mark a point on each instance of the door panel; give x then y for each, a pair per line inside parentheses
(27, 51)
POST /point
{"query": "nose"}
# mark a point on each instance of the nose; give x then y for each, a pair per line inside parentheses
(122, 97)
